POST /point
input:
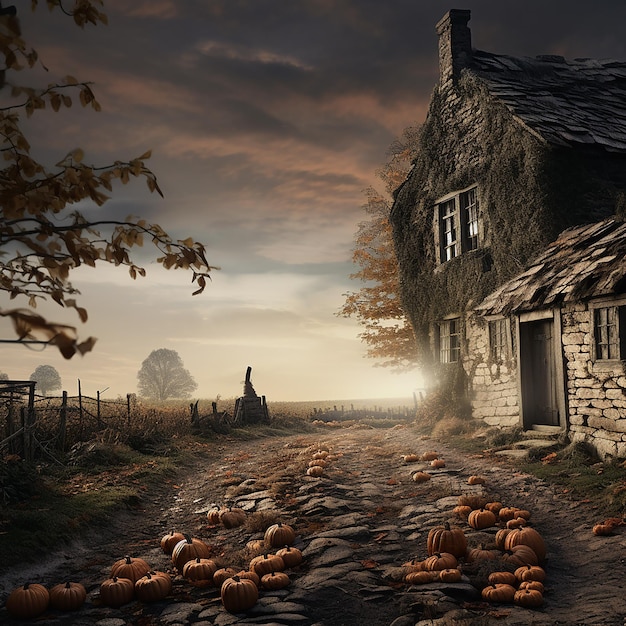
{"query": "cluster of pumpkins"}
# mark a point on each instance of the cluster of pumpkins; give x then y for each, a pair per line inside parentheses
(132, 578)
(516, 558)
(239, 589)
(318, 463)
(430, 457)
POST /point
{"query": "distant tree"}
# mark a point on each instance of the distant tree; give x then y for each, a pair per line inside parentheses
(163, 375)
(47, 379)
(376, 305)
(43, 236)
(4, 376)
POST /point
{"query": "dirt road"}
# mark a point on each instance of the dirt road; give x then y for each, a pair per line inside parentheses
(356, 525)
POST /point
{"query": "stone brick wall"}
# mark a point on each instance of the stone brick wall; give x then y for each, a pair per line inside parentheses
(596, 394)
(493, 386)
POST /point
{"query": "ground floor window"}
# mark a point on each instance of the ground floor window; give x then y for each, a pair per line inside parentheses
(609, 330)
(449, 340)
(498, 344)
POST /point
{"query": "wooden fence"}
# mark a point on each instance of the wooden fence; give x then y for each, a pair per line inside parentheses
(40, 423)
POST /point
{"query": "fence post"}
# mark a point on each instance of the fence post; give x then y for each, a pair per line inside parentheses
(62, 423)
(28, 421)
(128, 408)
(80, 411)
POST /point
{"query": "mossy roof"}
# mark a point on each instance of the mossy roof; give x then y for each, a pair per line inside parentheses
(584, 262)
(567, 103)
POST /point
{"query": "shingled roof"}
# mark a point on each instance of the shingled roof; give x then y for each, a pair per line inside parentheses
(568, 103)
(583, 263)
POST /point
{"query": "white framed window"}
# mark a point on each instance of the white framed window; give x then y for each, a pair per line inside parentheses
(449, 340)
(457, 222)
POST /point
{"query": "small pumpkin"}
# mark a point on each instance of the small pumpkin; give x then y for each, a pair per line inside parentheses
(28, 601)
(239, 594)
(430, 455)
(279, 535)
(494, 507)
(170, 540)
(117, 591)
(153, 587)
(481, 518)
(446, 538)
(462, 511)
(532, 584)
(603, 530)
(438, 463)
(320, 454)
(318, 463)
(475, 480)
(221, 575)
(414, 565)
(253, 576)
(266, 564)
(420, 578)
(411, 458)
(529, 598)
(421, 477)
(450, 575)
(507, 512)
(439, 561)
(530, 572)
(316, 471)
(213, 515)
(498, 592)
(189, 549)
(275, 580)
(199, 572)
(292, 557)
(507, 578)
(527, 536)
(67, 596)
(516, 522)
(481, 554)
(129, 567)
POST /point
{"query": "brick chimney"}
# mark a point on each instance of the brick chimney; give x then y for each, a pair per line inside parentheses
(455, 45)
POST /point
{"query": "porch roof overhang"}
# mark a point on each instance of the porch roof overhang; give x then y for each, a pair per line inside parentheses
(584, 262)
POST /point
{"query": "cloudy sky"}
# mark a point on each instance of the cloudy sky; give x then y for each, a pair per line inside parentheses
(267, 120)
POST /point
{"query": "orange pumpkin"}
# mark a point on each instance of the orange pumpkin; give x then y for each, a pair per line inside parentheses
(67, 596)
(239, 594)
(420, 578)
(450, 575)
(129, 567)
(117, 591)
(275, 580)
(189, 549)
(507, 578)
(28, 601)
(446, 538)
(279, 535)
(170, 540)
(439, 561)
(529, 598)
(153, 587)
(481, 518)
(292, 557)
(499, 592)
(266, 564)
(199, 572)
(421, 477)
(529, 537)
(530, 572)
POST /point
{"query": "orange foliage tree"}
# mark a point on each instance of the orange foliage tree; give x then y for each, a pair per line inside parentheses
(376, 305)
(41, 238)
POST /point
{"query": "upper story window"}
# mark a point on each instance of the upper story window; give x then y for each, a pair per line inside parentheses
(609, 333)
(449, 340)
(458, 224)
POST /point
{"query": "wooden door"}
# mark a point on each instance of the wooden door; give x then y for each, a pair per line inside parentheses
(538, 374)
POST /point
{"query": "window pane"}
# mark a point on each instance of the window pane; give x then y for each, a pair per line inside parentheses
(447, 212)
(606, 333)
(497, 340)
(469, 215)
(449, 341)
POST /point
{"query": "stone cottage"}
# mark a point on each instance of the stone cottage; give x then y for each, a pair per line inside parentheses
(510, 238)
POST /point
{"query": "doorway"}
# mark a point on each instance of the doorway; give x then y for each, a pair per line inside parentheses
(538, 374)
